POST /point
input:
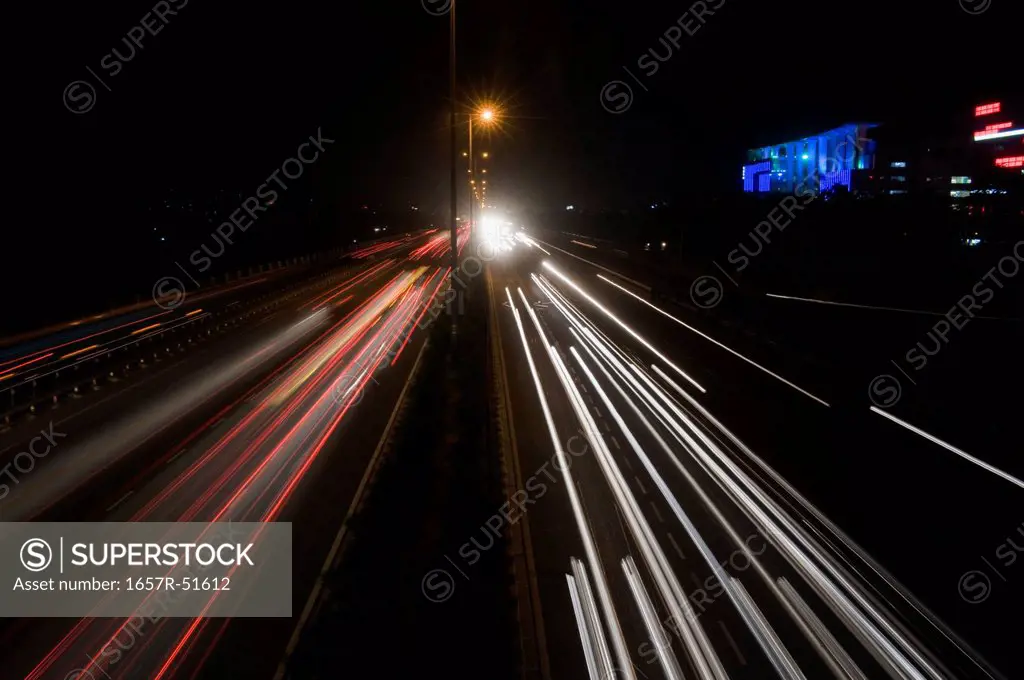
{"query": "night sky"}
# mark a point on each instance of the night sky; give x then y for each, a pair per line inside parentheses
(226, 91)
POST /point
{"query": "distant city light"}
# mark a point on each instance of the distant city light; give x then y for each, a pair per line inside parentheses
(986, 109)
(898, 164)
(832, 179)
(569, 207)
(1010, 162)
(805, 157)
(979, 136)
(751, 170)
(959, 179)
(997, 126)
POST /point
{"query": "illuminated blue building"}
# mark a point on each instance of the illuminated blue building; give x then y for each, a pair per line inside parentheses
(813, 164)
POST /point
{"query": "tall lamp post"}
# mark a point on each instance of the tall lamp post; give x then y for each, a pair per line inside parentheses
(454, 151)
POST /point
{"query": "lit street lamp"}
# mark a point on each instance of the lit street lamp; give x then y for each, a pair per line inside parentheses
(487, 116)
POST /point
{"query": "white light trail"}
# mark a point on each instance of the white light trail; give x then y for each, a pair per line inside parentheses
(716, 342)
(998, 135)
(867, 620)
(584, 629)
(596, 265)
(647, 612)
(846, 664)
(797, 556)
(582, 527)
(623, 325)
(780, 657)
(530, 242)
(971, 655)
(702, 653)
(949, 447)
(877, 642)
(672, 593)
(595, 646)
(741, 545)
(923, 312)
(657, 562)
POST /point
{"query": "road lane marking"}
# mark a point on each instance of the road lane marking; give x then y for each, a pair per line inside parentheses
(611, 618)
(672, 540)
(696, 580)
(533, 602)
(732, 643)
(178, 455)
(615, 442)
(120, 500)
(656, 512)
(357, 499)
(456, 567)
(643, 489)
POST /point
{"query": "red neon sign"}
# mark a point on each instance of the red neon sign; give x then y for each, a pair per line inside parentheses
(997, 126)
(1010, 162)
(986, 109)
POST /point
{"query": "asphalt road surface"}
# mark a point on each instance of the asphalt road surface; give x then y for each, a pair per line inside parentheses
(716, 517)
(275, 420)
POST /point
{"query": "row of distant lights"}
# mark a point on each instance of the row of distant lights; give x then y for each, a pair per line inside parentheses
(996, 130)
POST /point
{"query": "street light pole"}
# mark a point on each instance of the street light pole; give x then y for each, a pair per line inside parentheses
(454, 153)
(472, 174)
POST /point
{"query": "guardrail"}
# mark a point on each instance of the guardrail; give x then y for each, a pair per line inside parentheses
(77, 378)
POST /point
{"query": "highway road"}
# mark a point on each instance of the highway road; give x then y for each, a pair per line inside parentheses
(942, 361)
(682, 489)
(275, 420)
